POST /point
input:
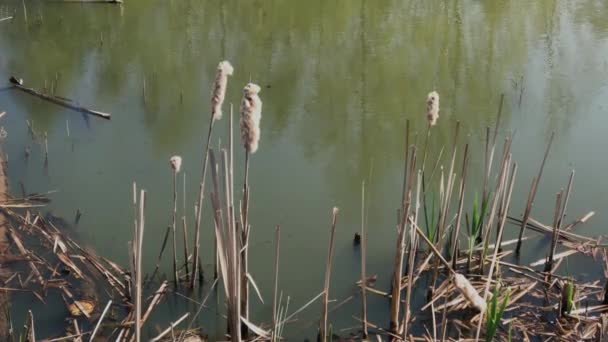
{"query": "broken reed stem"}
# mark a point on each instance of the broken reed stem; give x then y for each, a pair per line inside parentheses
(363, 258)
(566, 200)
(276, 281)
(532, 194)
(330, 250)
(555, 236)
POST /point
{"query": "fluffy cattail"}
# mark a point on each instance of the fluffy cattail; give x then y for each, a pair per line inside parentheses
(251, 114)
(432, 108)
(176, 163)
(468, 291)
(224, 69)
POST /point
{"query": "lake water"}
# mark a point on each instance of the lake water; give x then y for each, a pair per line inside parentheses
(339, 80)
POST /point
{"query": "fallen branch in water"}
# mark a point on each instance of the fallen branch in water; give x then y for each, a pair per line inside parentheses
(18, 83)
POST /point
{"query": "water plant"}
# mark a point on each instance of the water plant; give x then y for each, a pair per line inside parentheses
(495, 313)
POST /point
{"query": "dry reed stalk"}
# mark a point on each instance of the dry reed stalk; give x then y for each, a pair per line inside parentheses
(330, 251)
(363, 259)
(411, 261)
(532, 194)
(509, 191)
(400, 249)
(489, 152)
(499, 189)
(176, 163)
(103, 314)
(276, 281)
(432, 108)
(566, 199)
(155, 300)
(185, 231)
(224, 69)
(138, 275)
(228, 249)
(405, 161)
(170, 328)
(31, 329)
(444, 207)
(463, 179)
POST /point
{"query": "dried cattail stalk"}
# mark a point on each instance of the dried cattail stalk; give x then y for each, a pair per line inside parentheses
(432, 108)
(251, 114)
(224, 69)
(468, 291)
(176, 163)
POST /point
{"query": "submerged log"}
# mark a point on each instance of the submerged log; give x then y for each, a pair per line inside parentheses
(18, 84)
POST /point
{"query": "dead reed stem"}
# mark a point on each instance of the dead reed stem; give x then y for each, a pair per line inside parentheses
(330, 250)
(411, 260)
(405, 161)
(532, 194)
(170, 328)
(201, 197)
(276, 281)
(400, 249)
(363, 260)
(463, 179)
(555, 236)
(509, 191)
(220, 84)
(173, 228)
(185, 231)
(103, 314)
(445, 205)
(138, 289)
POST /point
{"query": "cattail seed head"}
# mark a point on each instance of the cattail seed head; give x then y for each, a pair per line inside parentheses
(176, 163)
(251, 114)
(432, 108)
(224, 69)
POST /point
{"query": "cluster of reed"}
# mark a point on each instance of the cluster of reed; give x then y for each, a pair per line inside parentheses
(467, 288)
(439, 260)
